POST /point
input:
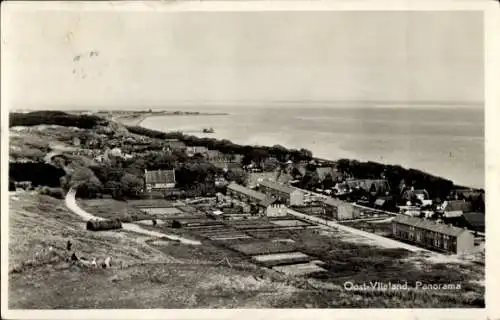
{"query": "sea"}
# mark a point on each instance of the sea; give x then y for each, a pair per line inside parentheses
(444, 141)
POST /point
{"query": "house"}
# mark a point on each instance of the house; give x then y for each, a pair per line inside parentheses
(214, 155)
(420, 194)
(474, 221)
(432, 235)
(159, 180)
(286, 194)
(383, 202)
(455, 208)
(469, 194)
(175, 145)
(254, 178)
(322, 172)
(272, 208)
(244, 194)
(192, 150)
(255, 199)
(373, 186)
(412, 211)
(339, 210)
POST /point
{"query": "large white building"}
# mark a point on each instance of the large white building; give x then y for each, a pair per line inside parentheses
(288, 195)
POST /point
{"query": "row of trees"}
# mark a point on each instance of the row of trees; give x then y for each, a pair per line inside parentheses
(123, 178)
(256, 154)
(55, 118)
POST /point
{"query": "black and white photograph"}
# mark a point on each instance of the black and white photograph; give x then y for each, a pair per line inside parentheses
(191, 156)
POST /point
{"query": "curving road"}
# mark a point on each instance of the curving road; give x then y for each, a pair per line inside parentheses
(73, 206)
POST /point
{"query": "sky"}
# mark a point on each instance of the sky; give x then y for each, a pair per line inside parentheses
(75, 59)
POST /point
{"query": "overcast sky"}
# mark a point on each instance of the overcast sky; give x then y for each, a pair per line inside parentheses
(130, 59)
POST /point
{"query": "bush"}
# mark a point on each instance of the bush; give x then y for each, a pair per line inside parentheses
(57, 193)
(99, 225)
(40, 174)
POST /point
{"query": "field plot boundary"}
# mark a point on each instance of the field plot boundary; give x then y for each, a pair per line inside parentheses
(260, 247)
(166, 211)
(279, 256)
(299, 269)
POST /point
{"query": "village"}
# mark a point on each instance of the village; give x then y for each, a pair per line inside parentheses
(272, 189)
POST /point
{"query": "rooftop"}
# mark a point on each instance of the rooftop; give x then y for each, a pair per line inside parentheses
(160, 176)
(333, 202)
(475, 219)
(458, 205)
(277, 186)
(429, 225)
(248, 192)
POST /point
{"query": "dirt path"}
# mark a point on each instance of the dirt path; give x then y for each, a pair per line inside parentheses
(73, 206)
(379, 240)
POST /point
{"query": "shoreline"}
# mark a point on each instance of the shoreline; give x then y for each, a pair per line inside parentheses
(360, 159)
(136, 119)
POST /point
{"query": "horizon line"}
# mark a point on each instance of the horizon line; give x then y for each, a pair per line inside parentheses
(257, 103)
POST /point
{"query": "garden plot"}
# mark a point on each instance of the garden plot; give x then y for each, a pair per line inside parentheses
(290, 223)
(150, 203)
(230, 237)
(219, 232)
(263, 247)
(210, 229)
(207, 227)
(280, 256)
(162, 211)
(299, 269)
(286, 258)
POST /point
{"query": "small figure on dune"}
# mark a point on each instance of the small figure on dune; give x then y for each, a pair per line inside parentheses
(106, 263)
(154, 222)
(74, 257)
(69, 245)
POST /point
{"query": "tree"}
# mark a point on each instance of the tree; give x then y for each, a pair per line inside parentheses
(114, 188)
(305, 154)
(310, 180)
(328, 182)
(237, 175)
(270, 164)
(130, 184)
(86, 183)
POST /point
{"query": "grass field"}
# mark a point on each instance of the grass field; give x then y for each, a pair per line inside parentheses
(110, 208)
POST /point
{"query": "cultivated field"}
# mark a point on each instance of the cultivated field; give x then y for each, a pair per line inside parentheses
(110, 208)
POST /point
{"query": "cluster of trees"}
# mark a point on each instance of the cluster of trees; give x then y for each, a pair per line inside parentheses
(55, 118)
(40, 174)
(436, 187)
(123, 178)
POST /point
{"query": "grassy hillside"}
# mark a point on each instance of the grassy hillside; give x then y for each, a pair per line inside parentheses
(141, 276)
